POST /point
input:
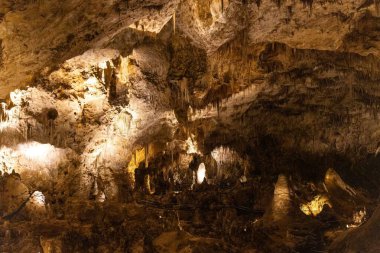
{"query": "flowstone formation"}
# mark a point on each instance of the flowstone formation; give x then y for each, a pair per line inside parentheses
(189, 126)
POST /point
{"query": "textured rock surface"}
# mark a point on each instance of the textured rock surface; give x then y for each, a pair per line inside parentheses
(362, 239)
(259, 92)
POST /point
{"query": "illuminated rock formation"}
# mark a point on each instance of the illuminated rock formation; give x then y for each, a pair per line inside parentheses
(189, 125)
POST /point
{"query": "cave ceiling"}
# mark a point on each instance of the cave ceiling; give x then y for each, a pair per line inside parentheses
(279, 87)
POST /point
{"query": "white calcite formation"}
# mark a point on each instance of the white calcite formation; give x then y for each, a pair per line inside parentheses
(189, 125)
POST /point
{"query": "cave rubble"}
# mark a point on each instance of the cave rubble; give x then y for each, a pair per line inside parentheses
(189, 126)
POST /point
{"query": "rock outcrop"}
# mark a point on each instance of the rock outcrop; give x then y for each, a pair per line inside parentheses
(189, 125)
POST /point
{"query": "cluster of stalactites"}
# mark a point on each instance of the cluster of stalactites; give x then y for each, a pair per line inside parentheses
(109, 74)
(279, 3)
(4, 113)
(228, 161)
(184, 91)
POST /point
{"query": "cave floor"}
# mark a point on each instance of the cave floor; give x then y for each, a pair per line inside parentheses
(205, 219)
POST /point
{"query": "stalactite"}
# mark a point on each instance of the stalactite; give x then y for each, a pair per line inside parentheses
(4, 114)
(174, 23)
(258, 3)
(278, 3)
(146, 153)
(51, 130)
(308, 3)
(218, 107)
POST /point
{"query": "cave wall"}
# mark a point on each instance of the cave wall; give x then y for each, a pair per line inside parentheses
(291, 87)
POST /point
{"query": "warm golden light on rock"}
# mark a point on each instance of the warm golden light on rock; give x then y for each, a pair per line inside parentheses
(315, 206)
(189, 126)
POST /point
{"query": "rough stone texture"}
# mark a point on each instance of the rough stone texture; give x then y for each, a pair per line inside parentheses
(92, 90)
(361, 239)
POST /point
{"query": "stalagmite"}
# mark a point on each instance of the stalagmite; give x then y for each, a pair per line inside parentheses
(281, 203)
(205, 126)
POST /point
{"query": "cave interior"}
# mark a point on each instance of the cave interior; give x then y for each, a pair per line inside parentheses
(189, 126)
